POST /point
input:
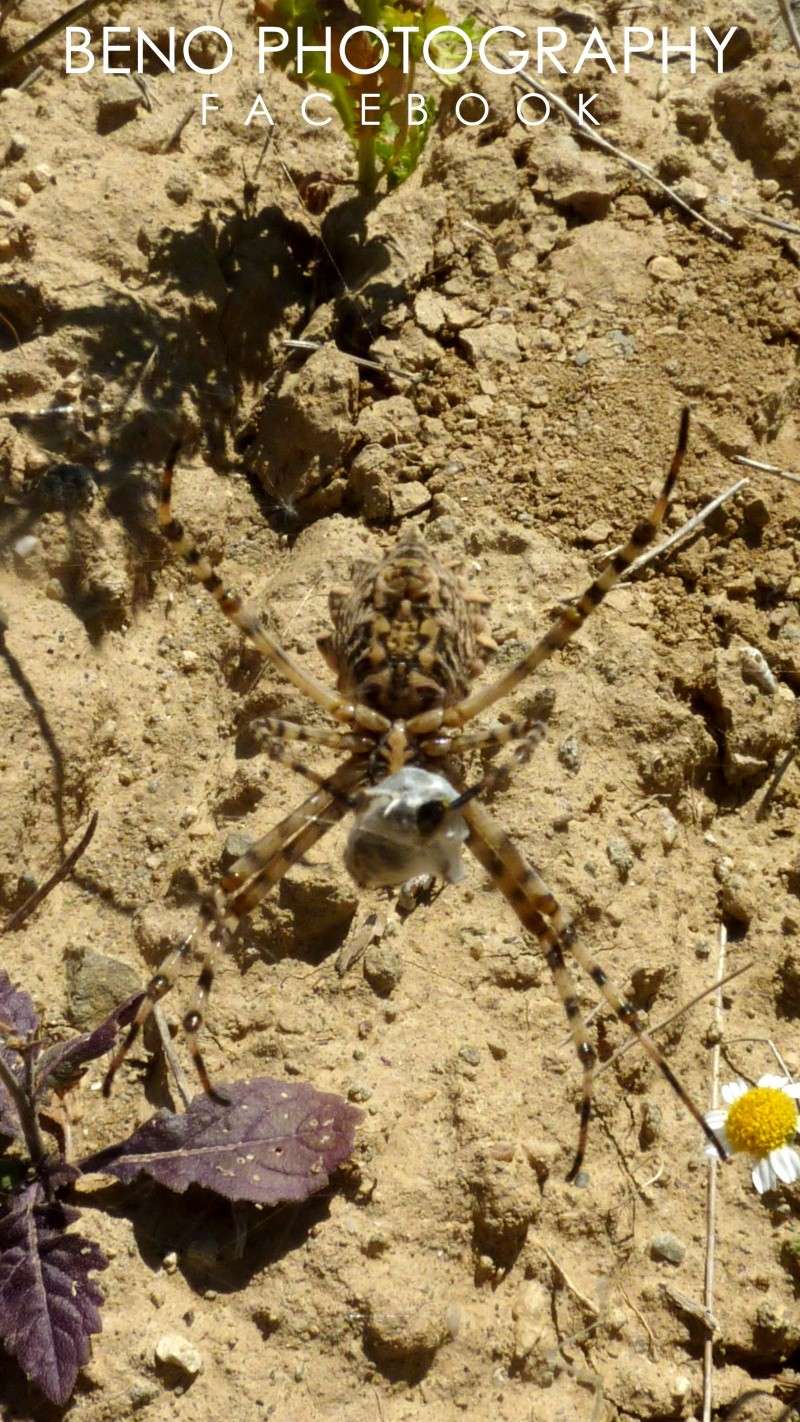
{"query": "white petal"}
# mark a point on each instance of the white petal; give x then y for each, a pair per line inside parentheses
(716, 1118)
(793, 1090)
(778, 1083)
(786, 1163)
(764, 1177)
(711, 1152)
(732, 1090)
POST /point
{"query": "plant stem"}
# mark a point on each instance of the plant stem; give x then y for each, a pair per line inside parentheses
(367, 171)
(26, 1113)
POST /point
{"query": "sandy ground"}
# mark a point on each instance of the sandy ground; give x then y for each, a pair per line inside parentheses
(557, 314)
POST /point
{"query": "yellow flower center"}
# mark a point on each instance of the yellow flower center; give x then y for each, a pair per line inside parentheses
(761, 1120)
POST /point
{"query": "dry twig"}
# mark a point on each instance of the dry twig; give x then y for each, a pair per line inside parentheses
(765, 468)
(711, 1198)
(689, 527)
(171, 1055)
(679, 1011)
(357, 360)
(68, 18)
(790, 22)
(64, 868)
(591, 137)
(568, 1284)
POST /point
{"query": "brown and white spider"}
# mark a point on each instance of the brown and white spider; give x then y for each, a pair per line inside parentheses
(406, 646)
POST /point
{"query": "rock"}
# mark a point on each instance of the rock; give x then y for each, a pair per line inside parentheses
(596, 533)
(370, 481)
(669, 829)
(755, 728)
(756, 668)
(494, 342)
(39, 177)
(569, 754)
(486, 183)
(620, 855)
(577, 180)
(383, 969)
(236, 844)
(97, 984)
(665, 269)
(389, 422)
(756, 513)
(505, 1202)
(404, 1323)
(430, 310)
(667, 1247)
(758, 111)
(534, 1335)
(174, 1351)
(692, 117)
(409, 498)
(299, 436)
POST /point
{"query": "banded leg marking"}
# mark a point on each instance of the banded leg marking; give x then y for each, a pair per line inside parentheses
(231, 604)
(533, 903)
(573, 617)
(248, 881)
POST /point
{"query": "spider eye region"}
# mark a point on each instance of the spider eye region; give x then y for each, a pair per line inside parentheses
(402, 829)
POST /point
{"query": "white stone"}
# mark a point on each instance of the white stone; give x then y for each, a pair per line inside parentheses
(176, 1351)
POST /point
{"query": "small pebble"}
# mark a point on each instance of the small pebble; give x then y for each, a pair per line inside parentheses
(569, 754)
(665, 269)
(620, 855)
(471, 1055)
(27, 546)
(23, 194)
(669, 828)
(170, 1262)
(175, 1351)
(756, 668)
(188, 660)
(39, 177)
(667, 1247)
(383, 969)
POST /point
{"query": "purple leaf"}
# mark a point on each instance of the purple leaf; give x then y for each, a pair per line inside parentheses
(273, 1141)
(65, 1061)
(48, 1303)
(17, 1015)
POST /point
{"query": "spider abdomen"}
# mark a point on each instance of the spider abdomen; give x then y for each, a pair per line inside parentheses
(406, 634)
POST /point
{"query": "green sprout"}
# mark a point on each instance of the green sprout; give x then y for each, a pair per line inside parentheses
(390, 146)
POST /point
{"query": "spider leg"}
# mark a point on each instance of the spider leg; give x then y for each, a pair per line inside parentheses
(540, 913)
(496, 734)
(498, 775)
(316, 735)
(249, 622)
(574, 616)
(158, 986)
(249, 879)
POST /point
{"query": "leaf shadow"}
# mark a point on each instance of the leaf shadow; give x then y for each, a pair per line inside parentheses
(218, 1244)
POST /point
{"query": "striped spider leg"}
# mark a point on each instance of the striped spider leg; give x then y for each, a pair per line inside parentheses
(407, 644)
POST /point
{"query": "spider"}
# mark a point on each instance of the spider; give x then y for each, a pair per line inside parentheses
(408, 640)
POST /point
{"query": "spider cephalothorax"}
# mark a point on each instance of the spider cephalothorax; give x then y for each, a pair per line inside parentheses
(407, 643)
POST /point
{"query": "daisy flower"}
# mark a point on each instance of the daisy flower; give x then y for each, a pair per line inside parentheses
(760, 1121)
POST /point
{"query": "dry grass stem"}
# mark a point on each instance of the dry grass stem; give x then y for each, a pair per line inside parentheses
(683, 532)
(171, 1056)
(679, 1011)
(357, 360)
(765, 468)
(711, 1197)
(603, 143)
(25, 910)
